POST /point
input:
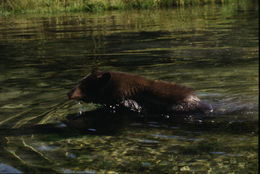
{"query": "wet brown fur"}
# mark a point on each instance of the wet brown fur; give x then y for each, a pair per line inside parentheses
(127, 85)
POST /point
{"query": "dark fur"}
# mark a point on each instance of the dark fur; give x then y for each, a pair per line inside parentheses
(137, 93)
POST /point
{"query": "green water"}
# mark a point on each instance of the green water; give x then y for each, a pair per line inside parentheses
(213, 49)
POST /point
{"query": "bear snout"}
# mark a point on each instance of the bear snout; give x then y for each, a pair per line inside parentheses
(75, 94)
(69, 94)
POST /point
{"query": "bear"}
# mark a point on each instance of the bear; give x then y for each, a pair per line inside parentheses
(137, 93)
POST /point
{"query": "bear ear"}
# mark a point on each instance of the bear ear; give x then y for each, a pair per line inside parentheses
(104, 78)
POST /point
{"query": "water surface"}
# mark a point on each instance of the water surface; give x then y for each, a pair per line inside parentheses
(213, 49)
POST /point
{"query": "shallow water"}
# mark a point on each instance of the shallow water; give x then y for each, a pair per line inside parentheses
(213, 49)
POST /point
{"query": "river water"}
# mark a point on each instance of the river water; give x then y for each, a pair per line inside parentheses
(213, 49)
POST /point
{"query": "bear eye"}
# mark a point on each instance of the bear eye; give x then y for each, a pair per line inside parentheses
(87, 83)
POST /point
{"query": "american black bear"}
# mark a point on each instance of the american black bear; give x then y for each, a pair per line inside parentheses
(137, 93)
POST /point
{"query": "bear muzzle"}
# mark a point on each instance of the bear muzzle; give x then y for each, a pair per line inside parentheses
(75, 94)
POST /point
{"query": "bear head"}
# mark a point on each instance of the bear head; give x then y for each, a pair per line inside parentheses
(90, 88)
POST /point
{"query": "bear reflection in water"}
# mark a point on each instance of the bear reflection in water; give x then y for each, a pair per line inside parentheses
(136, 93)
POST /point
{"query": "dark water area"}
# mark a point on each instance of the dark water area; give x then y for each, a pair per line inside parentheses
(213, 49)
